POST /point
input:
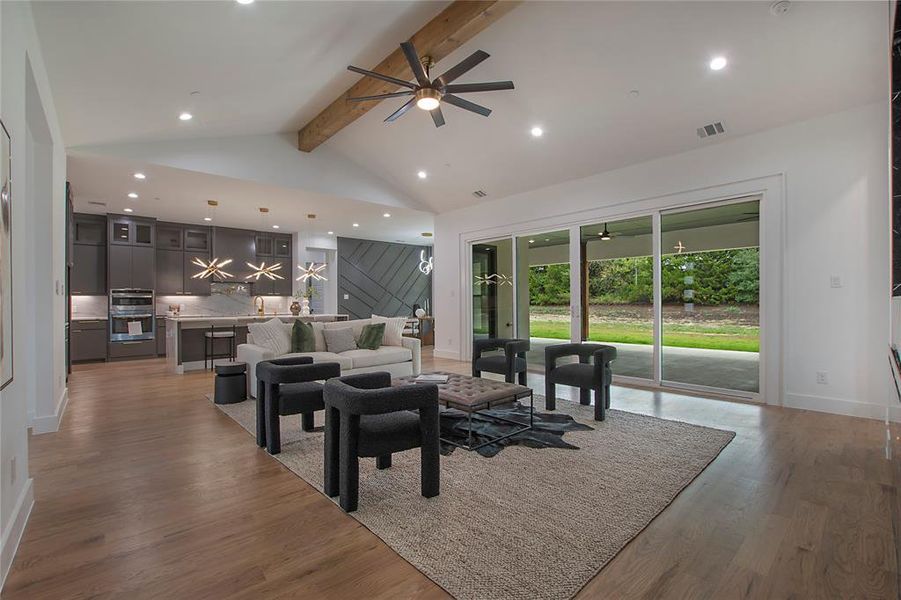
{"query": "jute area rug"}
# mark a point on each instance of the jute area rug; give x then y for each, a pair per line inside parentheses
(528, 523)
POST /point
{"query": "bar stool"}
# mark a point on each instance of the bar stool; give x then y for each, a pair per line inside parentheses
(209, 344)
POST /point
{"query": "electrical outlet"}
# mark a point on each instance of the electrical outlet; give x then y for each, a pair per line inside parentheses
(12, 470)
(822, 378)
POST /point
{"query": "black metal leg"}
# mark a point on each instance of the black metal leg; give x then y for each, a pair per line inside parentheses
(383, 462)
(273, 431)
(522, 378)
(550, 394)
(349, 469)
(607, 395)
(261, 414)
(331, 453)
(306, 421)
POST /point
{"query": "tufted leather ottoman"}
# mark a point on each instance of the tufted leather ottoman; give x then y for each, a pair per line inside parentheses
(472, 395)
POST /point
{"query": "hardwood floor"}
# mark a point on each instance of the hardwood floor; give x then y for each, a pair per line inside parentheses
(148, 491)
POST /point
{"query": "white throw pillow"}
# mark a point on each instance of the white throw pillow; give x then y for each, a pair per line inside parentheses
(318, 337)
(271, 335)
(394, 329)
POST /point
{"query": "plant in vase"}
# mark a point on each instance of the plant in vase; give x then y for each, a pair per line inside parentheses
(301, 304)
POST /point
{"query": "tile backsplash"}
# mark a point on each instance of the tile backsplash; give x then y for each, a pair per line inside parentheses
(220, 305)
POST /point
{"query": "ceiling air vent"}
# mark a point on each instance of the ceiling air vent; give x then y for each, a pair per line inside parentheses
(479, 194)
(95, 203)
(712, 129)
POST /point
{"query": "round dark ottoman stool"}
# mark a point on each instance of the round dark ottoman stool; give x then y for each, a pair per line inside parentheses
(231, 383)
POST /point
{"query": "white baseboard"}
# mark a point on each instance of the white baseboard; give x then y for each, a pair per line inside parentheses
(448, 354)
(50, 423)
(840, 406)
(12, 535)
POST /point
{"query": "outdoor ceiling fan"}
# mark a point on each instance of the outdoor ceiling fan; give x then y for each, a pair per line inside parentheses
(428, 94)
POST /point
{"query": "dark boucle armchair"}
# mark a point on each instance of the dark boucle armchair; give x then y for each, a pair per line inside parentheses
(585, 376)
(365, 416)
(512, 362)
(288, 386)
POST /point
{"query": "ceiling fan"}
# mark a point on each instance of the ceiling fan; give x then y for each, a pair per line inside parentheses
(428, 94)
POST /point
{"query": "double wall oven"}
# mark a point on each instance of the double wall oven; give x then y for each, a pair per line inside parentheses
(131, 315)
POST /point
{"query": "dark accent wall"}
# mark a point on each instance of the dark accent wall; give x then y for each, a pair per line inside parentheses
(380, 278)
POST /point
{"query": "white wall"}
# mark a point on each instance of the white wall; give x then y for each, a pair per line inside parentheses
(38, 217)
(835, 173)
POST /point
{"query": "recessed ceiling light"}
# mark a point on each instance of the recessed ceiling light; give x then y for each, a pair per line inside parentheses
(537, 131)
(185, 116)
(386, 215)
(275, 226)
(208, 218)
(331, 232)
(140, 176)
(422, 174)
(128, 209)
(356, 224)
(244, 1)
(132, 195)
(718, 63)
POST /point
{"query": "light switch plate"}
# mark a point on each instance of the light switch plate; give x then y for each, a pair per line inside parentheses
(347, 296)
(835, 281)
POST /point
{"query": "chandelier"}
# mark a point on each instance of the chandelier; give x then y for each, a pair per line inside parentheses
(263, 270)
(313, 272)
(211, 268)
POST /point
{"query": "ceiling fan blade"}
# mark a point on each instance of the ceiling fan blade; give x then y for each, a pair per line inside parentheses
(493, 86)
(380, 96)
(466, 105)
(415, 64)
(465, 65)
(400, 111)
(437, 117)
(387, 78)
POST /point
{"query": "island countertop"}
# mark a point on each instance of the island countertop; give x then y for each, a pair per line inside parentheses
(229, 319)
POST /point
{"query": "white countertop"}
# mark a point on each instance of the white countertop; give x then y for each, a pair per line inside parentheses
(235, 318)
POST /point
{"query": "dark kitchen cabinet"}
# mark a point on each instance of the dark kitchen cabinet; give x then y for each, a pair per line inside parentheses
(119, 267)
(88, 274)
(170, 272)
(131, 231)
(143, 269)
(87, 340)
(238, 245)
(160, 335)
(194, 286)
(131, 267)
(197, 239)
(282, 246)
(169, 236)
(88, 255)
(265, 244)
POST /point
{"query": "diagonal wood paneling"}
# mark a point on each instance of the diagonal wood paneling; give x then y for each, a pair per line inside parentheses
(380, 278)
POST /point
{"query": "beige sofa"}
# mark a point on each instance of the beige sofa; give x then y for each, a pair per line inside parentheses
(397, 360)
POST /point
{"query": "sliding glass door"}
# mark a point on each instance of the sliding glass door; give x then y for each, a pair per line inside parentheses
(677, 292)
(617, 267)
(710, 292)
(492, 289)
(542, 292)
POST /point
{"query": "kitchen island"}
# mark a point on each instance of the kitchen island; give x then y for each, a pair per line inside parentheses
(185, 340)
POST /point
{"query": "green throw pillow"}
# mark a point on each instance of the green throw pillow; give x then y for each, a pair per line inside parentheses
(302, 339)
(371, 336)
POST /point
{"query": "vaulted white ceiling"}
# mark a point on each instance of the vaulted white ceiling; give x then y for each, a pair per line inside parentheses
(121, 72)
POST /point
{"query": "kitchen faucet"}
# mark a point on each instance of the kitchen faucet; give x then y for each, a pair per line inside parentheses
(261, 309)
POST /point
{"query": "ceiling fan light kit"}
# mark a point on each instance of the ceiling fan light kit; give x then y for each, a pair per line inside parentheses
(428, 94)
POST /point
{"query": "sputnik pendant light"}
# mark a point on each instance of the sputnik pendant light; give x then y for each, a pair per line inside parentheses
(313, 271)
(211, 268)
(263, 270)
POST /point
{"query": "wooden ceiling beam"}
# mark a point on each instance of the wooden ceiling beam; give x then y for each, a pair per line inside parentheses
(456, 25)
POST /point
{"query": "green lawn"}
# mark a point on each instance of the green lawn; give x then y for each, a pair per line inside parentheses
(731, 337)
